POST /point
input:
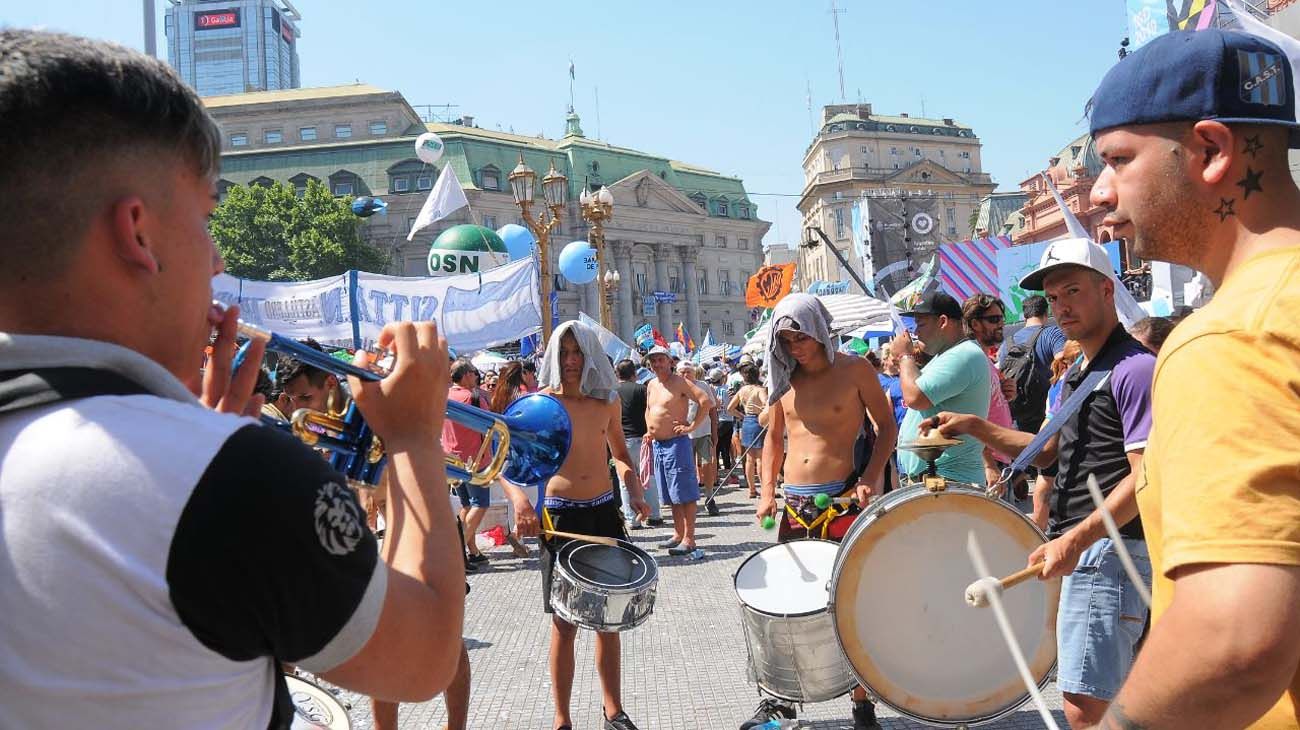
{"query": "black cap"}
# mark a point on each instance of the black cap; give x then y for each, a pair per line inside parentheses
(936, 303)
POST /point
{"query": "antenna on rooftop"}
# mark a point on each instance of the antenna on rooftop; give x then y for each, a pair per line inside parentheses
(812, 128)
(839, 52)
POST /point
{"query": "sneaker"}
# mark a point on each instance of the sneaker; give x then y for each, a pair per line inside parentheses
(656, 522)
(636, 525)
(864, 716)
(768, 710)
(478, 558)
(619, 722)
(670, 545)
(680, 549)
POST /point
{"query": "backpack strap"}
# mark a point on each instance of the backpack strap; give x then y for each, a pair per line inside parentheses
(21, 389)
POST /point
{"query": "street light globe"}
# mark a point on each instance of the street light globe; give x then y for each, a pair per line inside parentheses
(521, 180)
(584, 197)
(604, 196)
(555, 186)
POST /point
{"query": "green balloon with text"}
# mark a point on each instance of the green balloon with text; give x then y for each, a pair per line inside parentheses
(466, 249)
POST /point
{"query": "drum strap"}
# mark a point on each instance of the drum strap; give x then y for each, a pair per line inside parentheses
(823, 520)
(1095, 380)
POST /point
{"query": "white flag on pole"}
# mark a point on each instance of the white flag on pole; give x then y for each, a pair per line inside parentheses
(446, 198)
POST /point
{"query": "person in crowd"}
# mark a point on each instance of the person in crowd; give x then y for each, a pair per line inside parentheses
(819, 401)
(1036, 344)
(668, 396)
(632, 402)
(302, 385)
(747, 404)
(706, 434)
(957, 379)
(510, 385)
(530, 376)
(890, 382)
(1045, 481)
(1101, 614)
(726, 457)
(1197, 173)
(1152, 332)
(156, 573)
(463, 443)
(984, 318)
(578, 499)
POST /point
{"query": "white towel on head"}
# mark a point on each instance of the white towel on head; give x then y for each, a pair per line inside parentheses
(802, 313)
(598, 379)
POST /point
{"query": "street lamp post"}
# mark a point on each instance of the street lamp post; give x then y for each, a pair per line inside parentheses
(555, 191)
(597, 208)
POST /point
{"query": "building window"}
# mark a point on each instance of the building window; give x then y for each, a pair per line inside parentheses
(342, 131)
(916, 151)
(273, 136)
(490, 221)
(410, 223)
(728, 328)
(724, 282)
(674, 280)
(893, 151)
(722, 208)
(744, 212)
(343, 187)
(559, 282)
(424, 182)
(307, 134)
(742, 244)
(401, 184)
(701, 201)
(490, 178)
(239, 140)
(702, 284)
(839, 223)
(720, 241)
(642, 285)
(378, 129)
(300, 182)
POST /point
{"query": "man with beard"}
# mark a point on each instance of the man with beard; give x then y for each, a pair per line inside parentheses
(984, 319)
(1101, 614)
(1194, 130)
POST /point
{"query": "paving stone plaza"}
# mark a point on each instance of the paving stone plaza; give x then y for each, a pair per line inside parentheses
(684, 669)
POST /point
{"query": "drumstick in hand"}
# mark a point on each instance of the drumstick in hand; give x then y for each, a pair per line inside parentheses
(977, 593)
(585, 538)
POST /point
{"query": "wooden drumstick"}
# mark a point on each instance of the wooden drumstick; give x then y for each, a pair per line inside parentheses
(977, 593)
(585, 538)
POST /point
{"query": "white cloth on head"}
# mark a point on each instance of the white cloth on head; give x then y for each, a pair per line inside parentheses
(802, 313)
(598, 379)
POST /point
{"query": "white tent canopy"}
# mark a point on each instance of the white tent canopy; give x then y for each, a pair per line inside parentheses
(848, 312)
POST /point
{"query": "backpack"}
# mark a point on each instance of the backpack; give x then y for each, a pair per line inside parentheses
(1021, 365)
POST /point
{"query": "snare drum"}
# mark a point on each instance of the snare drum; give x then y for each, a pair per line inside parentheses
(603, 587)
(900, 614)
(314, 707)
(790, 636)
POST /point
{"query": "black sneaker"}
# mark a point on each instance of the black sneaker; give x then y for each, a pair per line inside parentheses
(769, 709)
(864, 716)
(656, 522)
(619, 722)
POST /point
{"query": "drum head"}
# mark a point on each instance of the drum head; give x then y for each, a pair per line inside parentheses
(315, 708)
(788, 579)
(898, 601)
(616, 568)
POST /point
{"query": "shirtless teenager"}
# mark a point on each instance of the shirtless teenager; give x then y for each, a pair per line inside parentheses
(668, 397)
(579, 499)
(817, 398)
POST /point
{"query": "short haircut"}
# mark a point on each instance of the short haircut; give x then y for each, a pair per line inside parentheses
(460, 369)
(1154, 330)
(749, 373)
(977, 304)
(70, 109)
(292, 368)
(1034, 305)
(530, 366)
(625, 369)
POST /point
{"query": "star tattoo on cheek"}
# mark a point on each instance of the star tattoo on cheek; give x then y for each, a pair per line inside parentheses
(1252, 146)
(1250, 183)
(1225, 208)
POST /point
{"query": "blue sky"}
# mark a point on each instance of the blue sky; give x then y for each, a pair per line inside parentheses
(722, 85)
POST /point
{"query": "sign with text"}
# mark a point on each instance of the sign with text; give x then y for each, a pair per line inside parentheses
(214, 19)
(648, 307)
(665, 296)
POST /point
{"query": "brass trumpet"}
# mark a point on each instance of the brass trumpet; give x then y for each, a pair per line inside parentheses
(527, 444)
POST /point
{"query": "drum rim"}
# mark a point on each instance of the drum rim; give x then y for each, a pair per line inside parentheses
(802, 614)
(340, 710)
(650, 578)
(871, 514)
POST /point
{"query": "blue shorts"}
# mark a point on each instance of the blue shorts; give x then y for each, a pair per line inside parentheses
(474, 496)
(1100, 620)
(675, 471)
(751, 434)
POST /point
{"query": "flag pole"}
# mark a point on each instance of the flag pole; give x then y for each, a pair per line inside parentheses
(812, 243)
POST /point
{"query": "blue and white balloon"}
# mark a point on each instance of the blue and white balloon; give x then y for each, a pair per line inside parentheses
(578, 262)
(366, 206)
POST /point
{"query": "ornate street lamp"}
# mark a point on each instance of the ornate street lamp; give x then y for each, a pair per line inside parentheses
(597, 208)
(555, 191)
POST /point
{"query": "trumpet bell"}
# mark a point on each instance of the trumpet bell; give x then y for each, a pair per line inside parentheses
(540, 435)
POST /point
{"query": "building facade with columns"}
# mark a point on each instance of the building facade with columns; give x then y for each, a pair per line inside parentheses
(683, 238)
(922, 177)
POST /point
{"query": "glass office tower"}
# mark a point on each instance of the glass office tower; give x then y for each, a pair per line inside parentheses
(233, 46)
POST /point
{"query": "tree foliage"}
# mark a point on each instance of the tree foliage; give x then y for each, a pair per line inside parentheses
(271, 234)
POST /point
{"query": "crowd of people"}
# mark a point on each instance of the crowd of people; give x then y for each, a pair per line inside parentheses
(167, 559)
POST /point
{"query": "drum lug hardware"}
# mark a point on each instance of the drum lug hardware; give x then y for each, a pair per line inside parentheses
(935, 484)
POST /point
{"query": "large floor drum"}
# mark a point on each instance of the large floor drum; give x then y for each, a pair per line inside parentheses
(900, 614)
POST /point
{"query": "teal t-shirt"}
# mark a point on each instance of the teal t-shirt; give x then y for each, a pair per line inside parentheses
(957, 381)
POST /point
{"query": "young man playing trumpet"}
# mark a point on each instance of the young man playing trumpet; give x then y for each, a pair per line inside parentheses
(579, 499)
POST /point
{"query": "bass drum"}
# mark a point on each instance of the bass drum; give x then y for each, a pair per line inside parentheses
(315, 708)
(901, 617)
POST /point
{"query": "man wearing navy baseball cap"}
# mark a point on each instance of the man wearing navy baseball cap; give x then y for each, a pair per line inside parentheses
(1194, 129)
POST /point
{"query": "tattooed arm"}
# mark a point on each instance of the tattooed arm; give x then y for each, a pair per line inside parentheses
(1220, 656)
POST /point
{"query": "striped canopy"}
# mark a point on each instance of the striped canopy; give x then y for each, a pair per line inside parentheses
(848, 311)
(970, 267)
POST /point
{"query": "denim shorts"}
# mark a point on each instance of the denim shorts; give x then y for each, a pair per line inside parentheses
(1100, 620)
(474, 496)
(751, 434)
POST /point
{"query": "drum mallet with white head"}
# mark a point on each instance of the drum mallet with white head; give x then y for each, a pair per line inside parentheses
(977, 592)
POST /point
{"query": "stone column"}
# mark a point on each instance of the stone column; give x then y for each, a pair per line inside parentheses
(689, 255)
(662, 252)
(624, 316)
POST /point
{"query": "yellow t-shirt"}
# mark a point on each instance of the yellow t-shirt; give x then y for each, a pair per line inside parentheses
(1222, 473)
